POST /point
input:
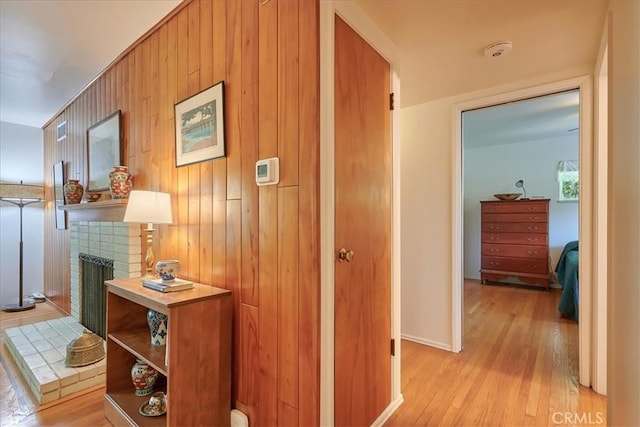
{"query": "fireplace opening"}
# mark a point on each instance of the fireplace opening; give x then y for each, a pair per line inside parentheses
(93, 294)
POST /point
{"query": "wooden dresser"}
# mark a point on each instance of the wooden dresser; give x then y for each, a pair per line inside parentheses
(515, 242)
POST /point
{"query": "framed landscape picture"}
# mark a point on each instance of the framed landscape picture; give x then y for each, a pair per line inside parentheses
(103, 151)
(200, 126)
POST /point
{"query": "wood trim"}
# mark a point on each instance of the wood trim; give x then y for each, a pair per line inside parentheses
(107, 210)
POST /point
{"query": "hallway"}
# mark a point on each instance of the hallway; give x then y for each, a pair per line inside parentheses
(519, 367)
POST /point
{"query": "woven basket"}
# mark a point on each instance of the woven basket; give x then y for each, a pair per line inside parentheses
(88, 348)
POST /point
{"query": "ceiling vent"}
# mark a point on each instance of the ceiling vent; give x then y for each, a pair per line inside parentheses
(498, 49)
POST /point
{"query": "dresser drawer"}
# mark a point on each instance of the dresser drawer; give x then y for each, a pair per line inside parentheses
(516, 207)
(515, 227)
(516, 238)
(516, 265)
(515, 217)
(517, 251)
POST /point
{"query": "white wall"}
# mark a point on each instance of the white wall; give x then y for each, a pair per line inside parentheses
(495, 169)
(623, 386)
(21, 158)
(427, 188)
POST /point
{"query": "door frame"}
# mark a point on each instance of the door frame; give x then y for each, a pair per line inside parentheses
(355, 17)
(600, 214)
(584, 84)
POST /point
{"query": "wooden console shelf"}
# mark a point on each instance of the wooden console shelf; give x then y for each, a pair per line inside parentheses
(107, 210)
(194, 366)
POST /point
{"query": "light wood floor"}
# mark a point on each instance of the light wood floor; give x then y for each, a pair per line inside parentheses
(519, 367)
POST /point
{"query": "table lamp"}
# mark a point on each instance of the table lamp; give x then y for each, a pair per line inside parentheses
(520, 184)
(149, 207)
(21, 195)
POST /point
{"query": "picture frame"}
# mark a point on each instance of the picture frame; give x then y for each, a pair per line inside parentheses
(199, 122)
(58, 195)
(104, 148)
(61, 131)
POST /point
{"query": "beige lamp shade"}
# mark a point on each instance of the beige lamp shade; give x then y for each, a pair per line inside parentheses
(149, 207)
(21, 191)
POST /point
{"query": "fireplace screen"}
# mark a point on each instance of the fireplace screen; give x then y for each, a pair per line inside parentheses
(93, 311)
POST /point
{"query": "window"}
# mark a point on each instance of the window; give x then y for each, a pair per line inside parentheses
(568, 181)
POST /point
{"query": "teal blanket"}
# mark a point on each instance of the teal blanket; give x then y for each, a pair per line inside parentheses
(567, 270)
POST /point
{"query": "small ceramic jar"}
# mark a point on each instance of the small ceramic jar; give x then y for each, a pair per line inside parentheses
(144, 377)
(168, 270)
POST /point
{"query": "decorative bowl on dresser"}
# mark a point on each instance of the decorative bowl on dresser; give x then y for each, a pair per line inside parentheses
(507, 196)
(515, 242)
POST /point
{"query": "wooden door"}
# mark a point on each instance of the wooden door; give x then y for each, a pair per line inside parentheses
(362, 225)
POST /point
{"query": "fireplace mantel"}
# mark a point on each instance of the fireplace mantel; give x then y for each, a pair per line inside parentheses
(107, 210)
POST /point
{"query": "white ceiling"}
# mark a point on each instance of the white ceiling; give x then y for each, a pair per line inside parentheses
(551, 116)
(51, 49)
(442, 41)
(441, 45)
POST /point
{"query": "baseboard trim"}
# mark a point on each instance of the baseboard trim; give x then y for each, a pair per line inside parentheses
(386, 414)
(430, 343)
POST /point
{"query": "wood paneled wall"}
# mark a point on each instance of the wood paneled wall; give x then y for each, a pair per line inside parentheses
(262, 243)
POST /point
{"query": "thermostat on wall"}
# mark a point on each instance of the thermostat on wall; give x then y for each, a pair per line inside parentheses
(268, 171)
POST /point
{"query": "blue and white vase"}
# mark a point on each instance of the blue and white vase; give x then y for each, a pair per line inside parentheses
(158, 327)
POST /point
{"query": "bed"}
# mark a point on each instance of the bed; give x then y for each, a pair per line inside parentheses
(567, 270)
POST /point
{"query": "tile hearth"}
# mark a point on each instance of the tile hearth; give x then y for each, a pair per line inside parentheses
(39, 351)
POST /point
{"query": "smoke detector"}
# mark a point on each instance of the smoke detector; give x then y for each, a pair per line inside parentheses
(497, 49)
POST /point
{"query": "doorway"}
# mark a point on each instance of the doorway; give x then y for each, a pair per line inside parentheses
(583, 85)
(522, 149)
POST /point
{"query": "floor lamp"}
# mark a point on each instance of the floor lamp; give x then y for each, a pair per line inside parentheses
(21, 195)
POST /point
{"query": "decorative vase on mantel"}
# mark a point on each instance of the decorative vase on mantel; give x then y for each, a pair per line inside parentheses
(73, 191)
(120, 182)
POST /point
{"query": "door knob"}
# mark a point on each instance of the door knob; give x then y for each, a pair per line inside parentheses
(345, 255)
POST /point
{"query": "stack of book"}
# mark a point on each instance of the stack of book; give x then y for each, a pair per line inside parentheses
(170, 286)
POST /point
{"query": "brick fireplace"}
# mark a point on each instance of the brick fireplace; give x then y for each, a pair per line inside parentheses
(117, 241)
(39, 349)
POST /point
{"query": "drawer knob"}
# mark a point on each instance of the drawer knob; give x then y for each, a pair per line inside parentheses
(494, 238)
(532, 252)
(495, 227)
(532, 228)
(493, 250)
(533, 218)
(532, 266)
(532, 208)
(494, 263)
(532, 239)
